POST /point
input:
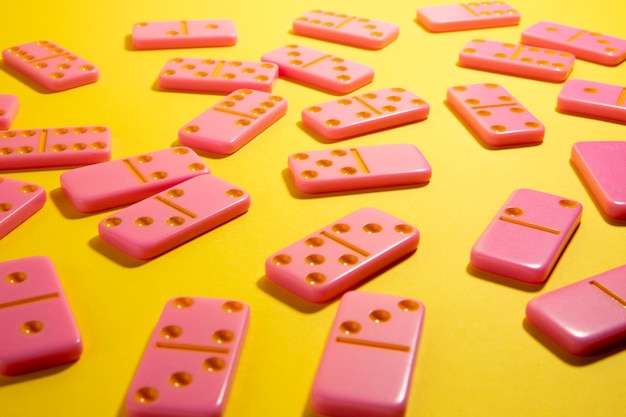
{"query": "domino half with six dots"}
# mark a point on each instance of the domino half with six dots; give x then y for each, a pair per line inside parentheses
(18, 201)
(466, 16)
(184, 34)
(593, 99)
(9, 105)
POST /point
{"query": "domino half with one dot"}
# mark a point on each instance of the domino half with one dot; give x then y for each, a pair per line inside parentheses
(593, 99)
(19, 200)
(184, 34)
(9, 106)
(466, 16)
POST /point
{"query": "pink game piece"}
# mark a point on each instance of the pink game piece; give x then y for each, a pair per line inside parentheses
(593, 99)
(518, 60)
(590, 46)
(9, 105)
(345, 29)
(161, 222)
(37, 327)
(319, 69)
(364, 113)
(18, 201)
(586, 316)
(54, 147)
(217, 75)
(369, 357)
(50, 65)
(602, 168)
(466, 16)
(527, 236)
(184, 34)
(495, 115)
(365, 167)
(189, 364)
(124, 181)
(233, 121)
(330, 261)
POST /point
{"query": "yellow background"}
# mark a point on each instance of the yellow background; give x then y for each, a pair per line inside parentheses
(476, 358)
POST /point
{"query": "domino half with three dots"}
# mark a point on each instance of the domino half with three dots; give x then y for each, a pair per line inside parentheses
(593, 99)
(330, 261)
(184, 34)
(466, 16)
(188, 366)
(9, 106)
(19, 200)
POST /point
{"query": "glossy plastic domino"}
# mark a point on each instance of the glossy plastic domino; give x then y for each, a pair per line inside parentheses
(593, 99)
(128, 180)
(467, 16)
(319, 69)
(367, 365)
(217, 75)
(518, 60)
(586, 45)
(37, 327)
(9, 105)
(233, 121)
(602, 169)
(330, 261)
(50, 65)
(189, 364)
(365, 167)
(54, 147)
(586, 316)
(345, 29)
(184, 34)
(527, 236)
(495, 115)
(18, 201)
(166, 220)
(364, 113)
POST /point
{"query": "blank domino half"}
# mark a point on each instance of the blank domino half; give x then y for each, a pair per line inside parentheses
(217, 75)
(365, 167)
(184, 34)
(37, 327)
(495, 115)
(232, 122)
(364, 113)
(518, 60)
(319, 69)
(330, 261)
(345, 29)
(586, 45)
(593, 99)
(602, 168)
(188, 367)
(466, 16)
(9, 105)
(50, 65)
(527, 236)
(161, 222)
(54, 147)
(586, 316)
(115, 183)
(368, 361)
(18, 201)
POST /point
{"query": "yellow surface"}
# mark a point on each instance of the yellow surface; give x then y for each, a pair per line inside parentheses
(477, 357)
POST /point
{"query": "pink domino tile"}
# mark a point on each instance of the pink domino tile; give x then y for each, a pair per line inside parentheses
(168, 219)
(365, 113)
(602, 169)
(9, 106)
(368, 361)
(320, 70)
(184, 34)
(37, 327)
(217, 75)
(189, 364)
(586, 316)
(123, 181)
(358, 168)
(19, 200)
(233, 121)
(346, 29)
(584, 44)
(54, 147)
(527, 236)
(467, 16)
(518, 60)
(593, 99)
(330, 261)
(496, 117)
(50, 65)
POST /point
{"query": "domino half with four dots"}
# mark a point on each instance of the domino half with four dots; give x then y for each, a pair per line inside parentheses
(184, 34)
(9, 105)
(466, 16)
(18, 201)
(593, 99)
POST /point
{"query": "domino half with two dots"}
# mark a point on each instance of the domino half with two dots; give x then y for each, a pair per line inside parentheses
(593, 99)
(184, 34)
(19, 200)
(466, 16)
